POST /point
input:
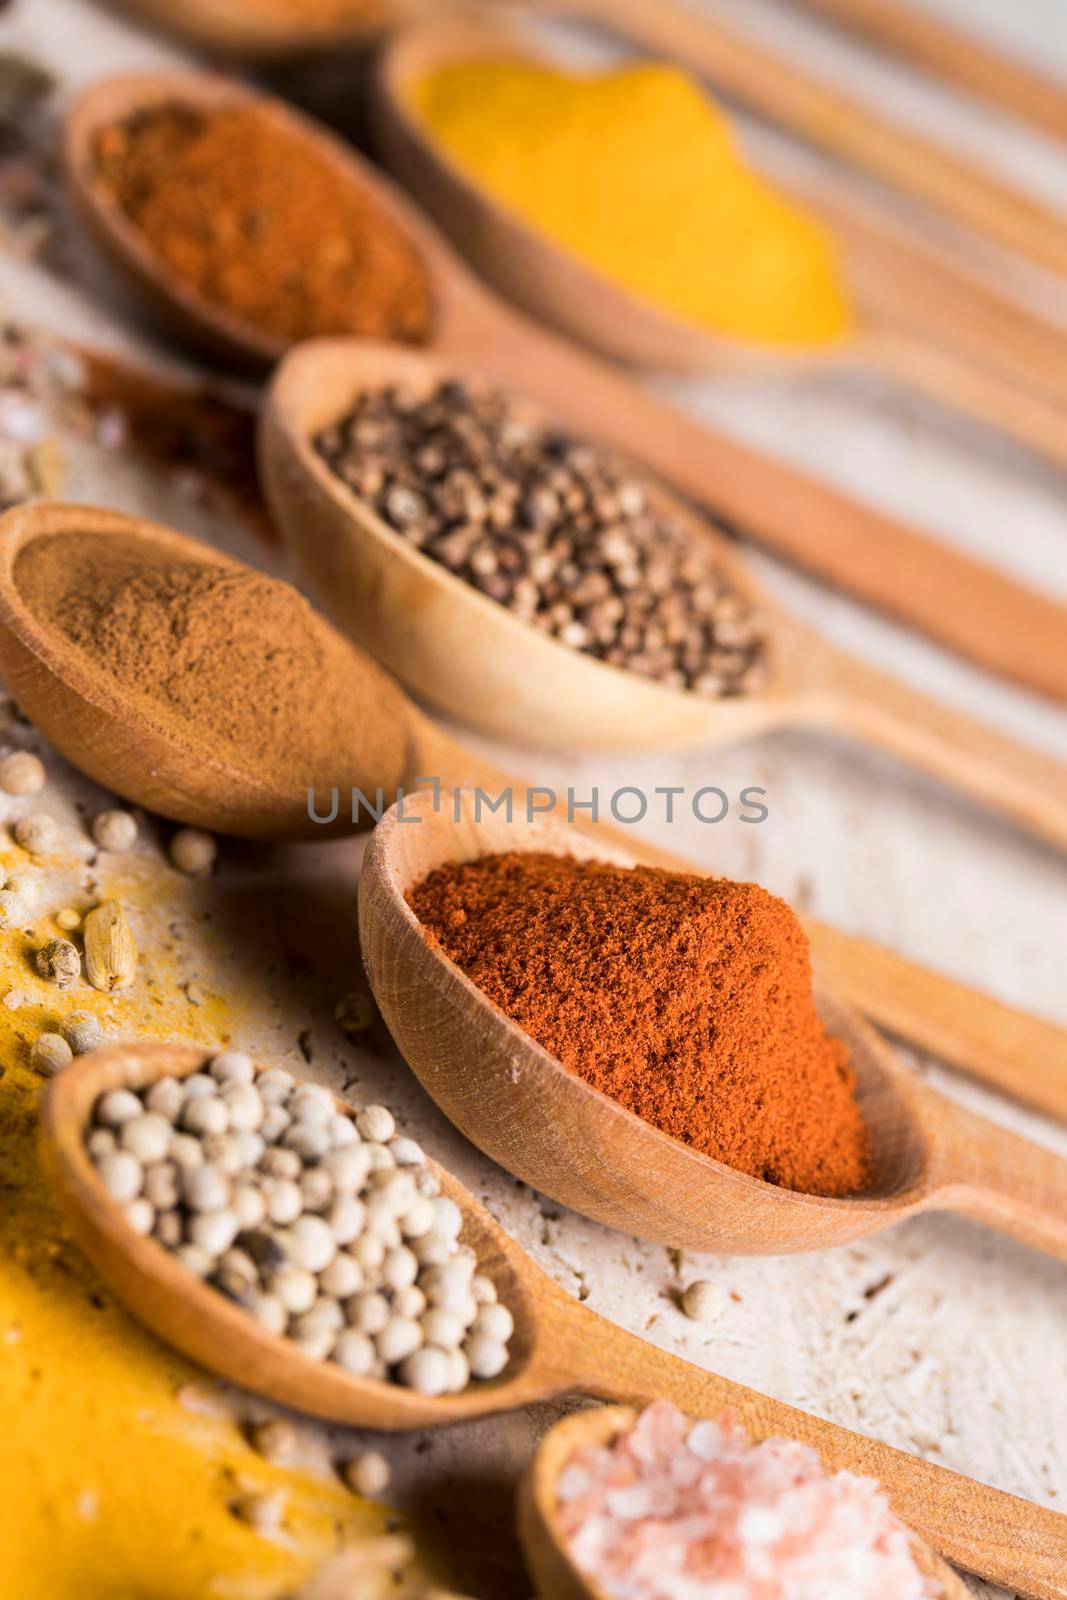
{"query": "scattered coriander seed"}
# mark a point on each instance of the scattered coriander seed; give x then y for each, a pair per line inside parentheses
(21, 774)
(356, 1013)
(702, 1300)
(114, 830)
(59, 963)
(193, 852)
(37, 833)
(68, 919)
(50, 1053)
(82, 1031)
(368, 1474)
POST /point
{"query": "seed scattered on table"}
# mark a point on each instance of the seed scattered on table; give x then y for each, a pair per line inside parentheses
(331, 1231)
(193, 852)
(82, 1032)
(59, 962)
(703, 1301)
(68, 919)
(551, 527)
(38, 833)
(110, 950)
(368, 1474)
(21, 773)
(114, 830)
(50, 1053)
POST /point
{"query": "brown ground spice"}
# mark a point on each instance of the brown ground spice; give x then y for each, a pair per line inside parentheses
(254, 219)
(225, 654)
(686, 999)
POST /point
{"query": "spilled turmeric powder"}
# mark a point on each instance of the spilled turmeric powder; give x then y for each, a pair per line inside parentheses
(638, 173)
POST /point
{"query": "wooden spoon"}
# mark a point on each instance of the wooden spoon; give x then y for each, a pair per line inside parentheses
(557, 288)
(970, 607)
(556, 1575)
(474, 658)
(559, 1347)
(109, 733)
(549, 1127)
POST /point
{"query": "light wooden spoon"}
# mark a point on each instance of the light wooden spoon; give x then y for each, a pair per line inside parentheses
(551, 1128)
(970, 607)
(557, 288)
(559, 1347)
(556, 1574)
(105, 729)
(475, 659)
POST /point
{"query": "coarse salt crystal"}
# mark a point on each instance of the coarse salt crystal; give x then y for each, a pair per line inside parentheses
(673, 1511)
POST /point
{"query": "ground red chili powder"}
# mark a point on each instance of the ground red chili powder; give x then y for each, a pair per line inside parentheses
(686, 999)
(258, 222)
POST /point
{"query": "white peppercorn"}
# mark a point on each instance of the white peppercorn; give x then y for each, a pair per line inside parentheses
(21, 773)
(486, 1357)
(275, 1440)
(59, 962)
(399, 1269)
(342, 1131)
(168, 1230)
(449, 1219)
(193, 852)
(275, 1120)
(82, 1031)
(312, 1103)
(249, 1205)
(342, 1278)
(213, 1231)
(295, 1288)
(100, 1143)
(243, 1102)
(379, 1156)
(147, 1137)
(702, 1300)
(348, 1167)
(250, 1146)
(186, 1152)
(355, 1352)
(400, 1337)
(375, 1123)
(233, 1066)
(418, 1220)
(275, 1084)
(50, 1053)
(406, 1152)
(117, 1107)
(368, 1474)
(442, 1327)
(140, 1215)
(495, 1321)
(368, 1312)
(194, 1259)
(204, 1114)
(284, 1201)
(121, 1176)
(68, 919)
(198, 1086)
(459, 1372)
(281, 1163)
(222, 1150)
(204, 1187)
(483, 1289)
(114, 830)
(263, 1512)
(426, 1371)
(161, 1184)
(270, 1312)
(310, 1244)
(316, 1187)
(310, 1141)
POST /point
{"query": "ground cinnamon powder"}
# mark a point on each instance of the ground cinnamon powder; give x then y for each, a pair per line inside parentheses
(258, 222)
(229, 656)
(687, 999)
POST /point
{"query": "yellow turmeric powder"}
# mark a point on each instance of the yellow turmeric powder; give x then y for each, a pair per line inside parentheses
(637, 173)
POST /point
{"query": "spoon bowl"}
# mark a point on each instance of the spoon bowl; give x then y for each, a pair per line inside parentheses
(114, 731)
(254, 32)
(448, 643)
(559, 1347)
(165, 295)
(556, 1575)
(523, 264)
(549, 1127)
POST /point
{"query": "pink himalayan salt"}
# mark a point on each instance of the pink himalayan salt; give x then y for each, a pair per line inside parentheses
(675, 1510)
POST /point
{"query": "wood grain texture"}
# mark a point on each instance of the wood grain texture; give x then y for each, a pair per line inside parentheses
(474, 659)
(557, 1576)
(551, 1128)
(560, 1346)
(783, 92)
(955, 56)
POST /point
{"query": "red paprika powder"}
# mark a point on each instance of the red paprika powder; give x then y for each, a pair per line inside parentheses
(686, 999)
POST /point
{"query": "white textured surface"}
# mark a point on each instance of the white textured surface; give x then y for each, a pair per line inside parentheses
(939, 1337)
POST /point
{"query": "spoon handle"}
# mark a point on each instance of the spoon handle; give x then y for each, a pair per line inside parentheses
(963, 604)
(993, 1175)
(994, 1535)
(1018, 782)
